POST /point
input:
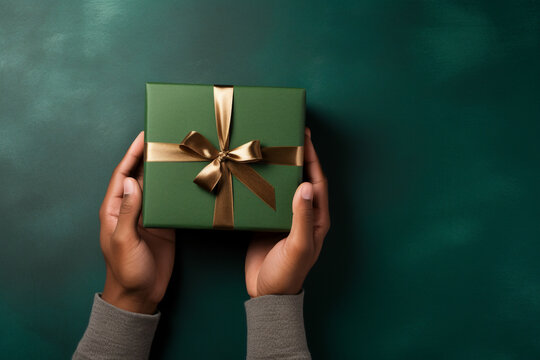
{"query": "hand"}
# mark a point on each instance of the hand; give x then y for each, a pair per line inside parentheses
(139, 261)
(281, 267)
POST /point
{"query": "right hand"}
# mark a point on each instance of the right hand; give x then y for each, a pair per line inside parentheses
(279, 267)
(139, 260)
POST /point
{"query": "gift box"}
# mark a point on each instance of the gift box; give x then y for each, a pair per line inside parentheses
(226, 157)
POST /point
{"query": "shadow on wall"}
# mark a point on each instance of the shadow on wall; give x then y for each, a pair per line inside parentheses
(219, 254)
(327, 284)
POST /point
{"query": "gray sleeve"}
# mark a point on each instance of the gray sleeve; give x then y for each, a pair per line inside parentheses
(275, 326)
(113, 333)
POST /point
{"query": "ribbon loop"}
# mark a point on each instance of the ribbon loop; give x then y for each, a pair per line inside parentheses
(246, 153)
(196, 143)
(209, 176)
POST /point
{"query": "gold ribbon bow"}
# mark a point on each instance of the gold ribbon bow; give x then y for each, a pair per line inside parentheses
(217, 175)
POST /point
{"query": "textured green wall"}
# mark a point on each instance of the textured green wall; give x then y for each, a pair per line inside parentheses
(431, 110)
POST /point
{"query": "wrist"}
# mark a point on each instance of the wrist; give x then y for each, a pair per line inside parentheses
(292, 285)
(292, 290)
(132, 301)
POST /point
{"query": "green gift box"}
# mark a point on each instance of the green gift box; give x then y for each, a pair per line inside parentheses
(194, 179)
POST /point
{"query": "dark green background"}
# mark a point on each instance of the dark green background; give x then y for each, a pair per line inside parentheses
(426, 115)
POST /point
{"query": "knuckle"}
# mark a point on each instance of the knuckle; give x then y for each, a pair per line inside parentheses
(119, 239)
(102, 213)
(325, 182)
(322, 179)
(304, 213)
(126, 208)
(326, 228)
(116, 171)
(307, 215)
(302, 249)
(116, 237)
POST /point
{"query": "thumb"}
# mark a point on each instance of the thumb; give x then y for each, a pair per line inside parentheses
(130, 208)
(300, 239)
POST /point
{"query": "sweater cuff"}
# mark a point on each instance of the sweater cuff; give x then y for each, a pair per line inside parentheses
(113, 333)
(275, 326)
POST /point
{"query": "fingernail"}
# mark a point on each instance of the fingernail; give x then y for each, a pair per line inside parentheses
(307, 191)
(128, 186)
(308, 132)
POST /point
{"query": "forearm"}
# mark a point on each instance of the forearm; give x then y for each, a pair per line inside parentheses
(113, 333)
(275, 325)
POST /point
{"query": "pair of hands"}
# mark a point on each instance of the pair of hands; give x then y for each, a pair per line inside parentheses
(140, 260)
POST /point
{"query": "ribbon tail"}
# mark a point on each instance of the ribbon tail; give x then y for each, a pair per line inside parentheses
(209, 176)
(254, 182)
(223, 206)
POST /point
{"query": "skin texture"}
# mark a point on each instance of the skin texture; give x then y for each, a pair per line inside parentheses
(140, 261)
(279, 266)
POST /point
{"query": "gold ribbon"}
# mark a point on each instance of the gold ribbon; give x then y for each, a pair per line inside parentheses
(217, 175)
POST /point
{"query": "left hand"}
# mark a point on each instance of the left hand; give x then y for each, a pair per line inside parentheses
(139, 260)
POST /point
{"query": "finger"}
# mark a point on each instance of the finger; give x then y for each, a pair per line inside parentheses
(113, 197)
(312, 166)
(139, 173)
(300, 240)
(315, 174)
(126, 229)
(127, 165)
